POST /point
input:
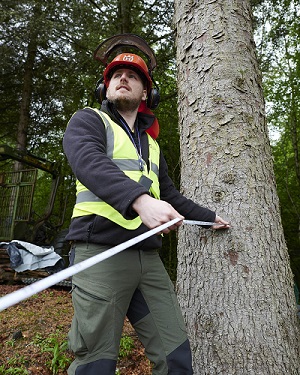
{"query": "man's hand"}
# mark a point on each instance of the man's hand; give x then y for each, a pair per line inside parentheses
(220, 223)
(154, 212)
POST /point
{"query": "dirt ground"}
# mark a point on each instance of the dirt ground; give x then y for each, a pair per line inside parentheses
(33, 333)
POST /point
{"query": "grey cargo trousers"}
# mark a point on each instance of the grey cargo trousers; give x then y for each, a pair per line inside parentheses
(133, 283)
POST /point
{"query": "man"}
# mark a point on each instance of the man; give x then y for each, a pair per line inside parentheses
(123, 189)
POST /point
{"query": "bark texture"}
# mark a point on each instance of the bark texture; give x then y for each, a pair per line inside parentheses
(235, 287)
(32, 50)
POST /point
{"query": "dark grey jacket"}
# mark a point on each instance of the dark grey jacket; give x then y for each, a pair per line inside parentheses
(84, 145)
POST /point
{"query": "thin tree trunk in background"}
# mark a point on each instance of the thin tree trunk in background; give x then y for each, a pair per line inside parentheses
(26, 96)
(24, 119)
(27, 84)
(124, 15)
(235, 287)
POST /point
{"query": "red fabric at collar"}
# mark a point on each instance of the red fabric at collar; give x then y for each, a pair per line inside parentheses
(153, 131)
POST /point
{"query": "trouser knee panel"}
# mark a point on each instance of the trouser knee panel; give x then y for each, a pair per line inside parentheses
(180, 360)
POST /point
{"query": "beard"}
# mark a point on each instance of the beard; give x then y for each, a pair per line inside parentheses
(124, 104)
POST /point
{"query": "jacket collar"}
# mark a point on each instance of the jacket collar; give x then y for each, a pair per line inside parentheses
(145, 120)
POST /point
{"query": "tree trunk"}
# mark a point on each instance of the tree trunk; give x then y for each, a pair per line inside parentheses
(124, 12)
(235, 287)
(24, 119)
(26, 95)
(28, 80)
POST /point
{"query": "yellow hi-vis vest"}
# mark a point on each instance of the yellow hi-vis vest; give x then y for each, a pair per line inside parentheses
(124, 154)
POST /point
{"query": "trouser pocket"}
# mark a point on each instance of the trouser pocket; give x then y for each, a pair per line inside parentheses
(92, 329)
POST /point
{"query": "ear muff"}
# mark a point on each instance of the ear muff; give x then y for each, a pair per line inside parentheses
(100, 90)
(153, 98)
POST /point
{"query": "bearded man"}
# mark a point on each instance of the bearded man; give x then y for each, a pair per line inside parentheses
(123, 189)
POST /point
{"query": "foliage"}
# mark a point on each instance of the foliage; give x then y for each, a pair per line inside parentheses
(64, 72)
(14, 366)
(126, 346)
(57, 349)
(278, 29)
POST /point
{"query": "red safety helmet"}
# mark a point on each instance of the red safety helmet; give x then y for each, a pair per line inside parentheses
(128, 60)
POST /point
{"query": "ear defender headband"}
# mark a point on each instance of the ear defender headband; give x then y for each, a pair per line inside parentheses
(106, 48)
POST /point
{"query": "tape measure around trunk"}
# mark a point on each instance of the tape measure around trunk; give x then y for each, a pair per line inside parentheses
(28, 291)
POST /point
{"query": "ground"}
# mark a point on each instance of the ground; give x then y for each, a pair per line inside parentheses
(33, 337)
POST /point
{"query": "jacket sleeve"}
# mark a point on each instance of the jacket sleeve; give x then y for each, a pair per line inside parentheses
(84, 144)
(186, 207)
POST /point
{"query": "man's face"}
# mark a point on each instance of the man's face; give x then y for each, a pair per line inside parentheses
(126, 89)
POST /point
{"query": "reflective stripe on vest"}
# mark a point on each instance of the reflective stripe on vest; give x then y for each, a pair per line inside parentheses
(123, 153)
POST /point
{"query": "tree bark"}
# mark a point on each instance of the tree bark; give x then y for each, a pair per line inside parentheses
(235, 287)
(26, 95)
(124, 12)
(24, 119)
(28, 80)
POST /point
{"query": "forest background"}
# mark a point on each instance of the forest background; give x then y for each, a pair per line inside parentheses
(48, 72)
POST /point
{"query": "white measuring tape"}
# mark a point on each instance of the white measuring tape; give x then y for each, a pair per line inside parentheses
(29, 290)
(202, 223)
